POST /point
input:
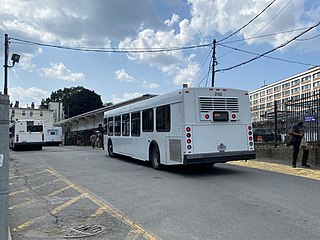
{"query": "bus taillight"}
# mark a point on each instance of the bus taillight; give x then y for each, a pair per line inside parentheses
(249, 128)
(17, 138)
(188, 141)
(42, 136)
(188, 129)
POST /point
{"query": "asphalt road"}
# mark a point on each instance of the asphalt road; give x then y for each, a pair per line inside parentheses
(58, 188)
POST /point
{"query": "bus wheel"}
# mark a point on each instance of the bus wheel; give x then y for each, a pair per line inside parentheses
(155, 158)
(110, 149)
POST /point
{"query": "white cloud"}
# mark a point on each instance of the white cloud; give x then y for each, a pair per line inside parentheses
(26, 63)
(186, 75)
(122, 76)
(126, 96)
(175, 18)
(150, 85)
(59, 71)
(26, 96)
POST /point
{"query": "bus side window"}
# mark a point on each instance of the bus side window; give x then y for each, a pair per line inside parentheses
(147, 120)
(110, 126)
(125, 124)
(163, 118)
(117, 126)
(135, 124)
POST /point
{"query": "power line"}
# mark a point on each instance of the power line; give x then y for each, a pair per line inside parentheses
(247, 23)
(272, 50)
(263, 26)
(275, 58)
(201, 68)
(111, 50)
(310, 38)
(267, 35)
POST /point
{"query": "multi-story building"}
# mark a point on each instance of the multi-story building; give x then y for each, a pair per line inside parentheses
(46, 115)
(262, 100)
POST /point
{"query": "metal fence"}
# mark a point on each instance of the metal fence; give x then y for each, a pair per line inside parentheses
(281, 116)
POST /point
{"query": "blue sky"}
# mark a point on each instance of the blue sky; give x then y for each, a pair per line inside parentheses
(153, 24)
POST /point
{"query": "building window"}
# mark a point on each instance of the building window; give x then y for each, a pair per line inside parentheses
(286, 85)
(277, 89)
(255, 95)
(316, 84)
(23, 112)
(286, 93)
(306, 87)
(135, 124)
(13, 113)
(305, 79)
(125, 124)
(41, 114)
(117, 126)
(269, 98)
(31, 113)
(316, 75)
(270, 91)
(278, 95)
(147, 120)
(295, 82)
(262, 94)
(295, 90)
(163, 118)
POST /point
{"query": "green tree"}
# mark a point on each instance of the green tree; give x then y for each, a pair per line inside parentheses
(84, 101)
(76, 100)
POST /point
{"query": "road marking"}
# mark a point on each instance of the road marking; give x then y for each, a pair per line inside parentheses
(23, 204)
(67, 204)
(45, 184)
(100, 211)
(17, 192)
(280, 168)
(59, 191)
(108, 208)
(29, 223)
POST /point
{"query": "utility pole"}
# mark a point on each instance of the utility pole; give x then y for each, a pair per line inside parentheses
(213, 60)
(6, 55)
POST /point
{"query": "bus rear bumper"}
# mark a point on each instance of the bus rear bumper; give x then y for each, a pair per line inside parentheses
(220, 157)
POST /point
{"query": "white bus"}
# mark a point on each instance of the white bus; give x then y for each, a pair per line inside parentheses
(26, 134)
(189, 126)
(53, 136)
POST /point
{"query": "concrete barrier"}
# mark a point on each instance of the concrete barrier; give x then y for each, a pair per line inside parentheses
(284, 154)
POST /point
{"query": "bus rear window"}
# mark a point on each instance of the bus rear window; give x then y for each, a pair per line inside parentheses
(35, 128)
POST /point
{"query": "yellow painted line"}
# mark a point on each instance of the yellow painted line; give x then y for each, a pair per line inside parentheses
(67, 204)
(20, 205)
(29, 223)
(59, 191)
(54, 211)
(17, 192)
(100, 211)
(133, 235)
(108, 208)
(280, 168)
(45, 184)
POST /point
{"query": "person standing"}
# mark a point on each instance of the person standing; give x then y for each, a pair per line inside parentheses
(93, 139)
(297, 134)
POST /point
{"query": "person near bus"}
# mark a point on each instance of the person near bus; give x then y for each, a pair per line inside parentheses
(93, 139)
(79, 140)
(297, 134)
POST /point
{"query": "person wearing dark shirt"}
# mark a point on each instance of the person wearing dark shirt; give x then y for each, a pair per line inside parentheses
(297, 133)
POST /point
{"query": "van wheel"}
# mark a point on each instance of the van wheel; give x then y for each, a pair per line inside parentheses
(155, 158)
(110, 149)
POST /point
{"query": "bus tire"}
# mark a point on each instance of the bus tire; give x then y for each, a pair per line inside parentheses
(154, 158)
(110, 149)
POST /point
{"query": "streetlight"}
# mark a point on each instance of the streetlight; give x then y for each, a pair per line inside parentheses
(15, 59)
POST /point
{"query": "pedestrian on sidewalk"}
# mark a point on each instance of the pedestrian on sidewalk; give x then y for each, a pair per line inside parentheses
(298, 140)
